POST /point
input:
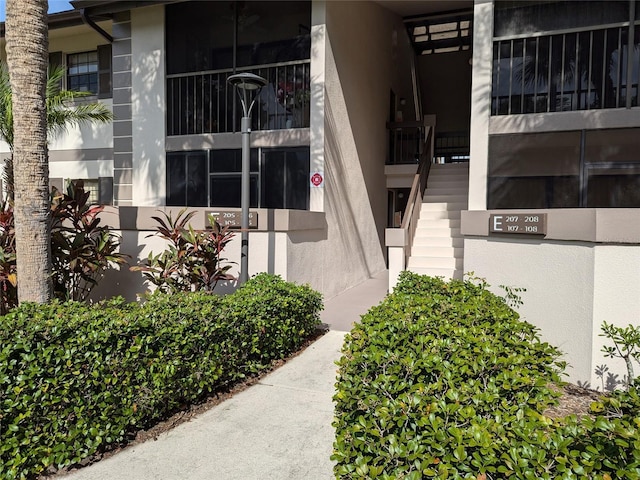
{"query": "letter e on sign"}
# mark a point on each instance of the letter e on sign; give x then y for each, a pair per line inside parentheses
(497, 223)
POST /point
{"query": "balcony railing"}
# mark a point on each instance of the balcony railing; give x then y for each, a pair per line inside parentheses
(406, 140)
(204, 102)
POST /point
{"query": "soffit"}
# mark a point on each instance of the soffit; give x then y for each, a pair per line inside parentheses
(410, 8)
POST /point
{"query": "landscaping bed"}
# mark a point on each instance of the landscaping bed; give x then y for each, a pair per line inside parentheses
(443, 380)
(76, 380)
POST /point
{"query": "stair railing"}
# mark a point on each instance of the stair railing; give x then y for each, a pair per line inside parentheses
(400, 240)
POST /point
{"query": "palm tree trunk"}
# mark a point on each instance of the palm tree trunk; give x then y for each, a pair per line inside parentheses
(27, 55)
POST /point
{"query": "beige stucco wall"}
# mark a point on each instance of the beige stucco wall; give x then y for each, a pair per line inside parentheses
(272, 246)
(366, 55)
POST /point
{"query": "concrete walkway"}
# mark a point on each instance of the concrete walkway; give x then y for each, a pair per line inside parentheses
(278, 429)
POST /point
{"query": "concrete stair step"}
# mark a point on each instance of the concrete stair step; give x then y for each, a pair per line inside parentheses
(439, 214)
(448, 177)
(448, 242)
(444, 198)
(444, 206)
(438, 232)
(437, 251)
(434, 262)
(450, 166)
(446, 183)
(446, 273)
(438, 190)
(439, 223)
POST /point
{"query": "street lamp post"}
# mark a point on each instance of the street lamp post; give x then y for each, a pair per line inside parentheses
(248, 86)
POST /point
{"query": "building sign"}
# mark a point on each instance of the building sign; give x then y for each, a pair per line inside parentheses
(528, 224)
(317, 179)
(233, 219)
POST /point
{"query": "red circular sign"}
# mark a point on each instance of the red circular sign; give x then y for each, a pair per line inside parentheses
(316, 179)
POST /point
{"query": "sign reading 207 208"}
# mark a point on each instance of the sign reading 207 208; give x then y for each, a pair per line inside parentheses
(527, 223)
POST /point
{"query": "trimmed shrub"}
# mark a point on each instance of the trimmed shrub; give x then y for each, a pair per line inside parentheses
(76, 378)
(442, 380)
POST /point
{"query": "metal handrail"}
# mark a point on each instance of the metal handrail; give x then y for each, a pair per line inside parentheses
(412, 212)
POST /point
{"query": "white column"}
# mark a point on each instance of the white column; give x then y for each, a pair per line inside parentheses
(480, 102)
(318, 46)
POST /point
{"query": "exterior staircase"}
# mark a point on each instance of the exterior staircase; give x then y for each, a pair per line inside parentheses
(438, 247)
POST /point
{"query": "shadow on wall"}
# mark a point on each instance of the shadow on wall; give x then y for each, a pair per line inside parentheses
(148, 98)
(364, 84)
(342, 221)
(123, 282)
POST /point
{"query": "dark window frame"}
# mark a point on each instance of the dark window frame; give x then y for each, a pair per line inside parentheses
(259, 190)
(588, 160)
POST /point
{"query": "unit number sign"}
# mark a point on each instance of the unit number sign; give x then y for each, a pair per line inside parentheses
(233, 219)
(528, 224)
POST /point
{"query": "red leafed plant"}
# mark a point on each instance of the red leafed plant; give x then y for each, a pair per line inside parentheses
(8, 279)
(81, 249)
(192, 260)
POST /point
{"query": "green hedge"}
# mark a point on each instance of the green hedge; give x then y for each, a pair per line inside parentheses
(76, 378)
(442, 380)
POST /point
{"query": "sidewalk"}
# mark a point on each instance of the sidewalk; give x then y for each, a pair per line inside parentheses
(278, 429)
(341, 312)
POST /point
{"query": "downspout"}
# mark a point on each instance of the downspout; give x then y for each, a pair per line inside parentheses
(94, 25)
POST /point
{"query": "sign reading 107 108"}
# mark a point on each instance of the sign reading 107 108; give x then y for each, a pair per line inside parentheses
(528, 223)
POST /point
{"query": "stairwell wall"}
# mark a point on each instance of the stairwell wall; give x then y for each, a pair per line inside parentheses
(364, 49)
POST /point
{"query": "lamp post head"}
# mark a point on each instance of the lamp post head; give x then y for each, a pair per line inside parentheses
(247, 81)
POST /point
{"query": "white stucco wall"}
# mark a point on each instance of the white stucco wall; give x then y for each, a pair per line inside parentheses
(558, 279)
(66, 147)
(88, 136)
(616, 299)
(148, 105)
(316, 118)
(572, 287)
(81, 169)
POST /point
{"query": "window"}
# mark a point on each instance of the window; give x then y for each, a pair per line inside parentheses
(90, 71)
(558, 56)
(593, 168)
(279, 178)
(92, 186)
(82, 73)
(100, 189)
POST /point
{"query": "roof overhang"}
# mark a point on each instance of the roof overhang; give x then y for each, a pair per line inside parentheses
(109, 7)
(70, 18)
(97, 10)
